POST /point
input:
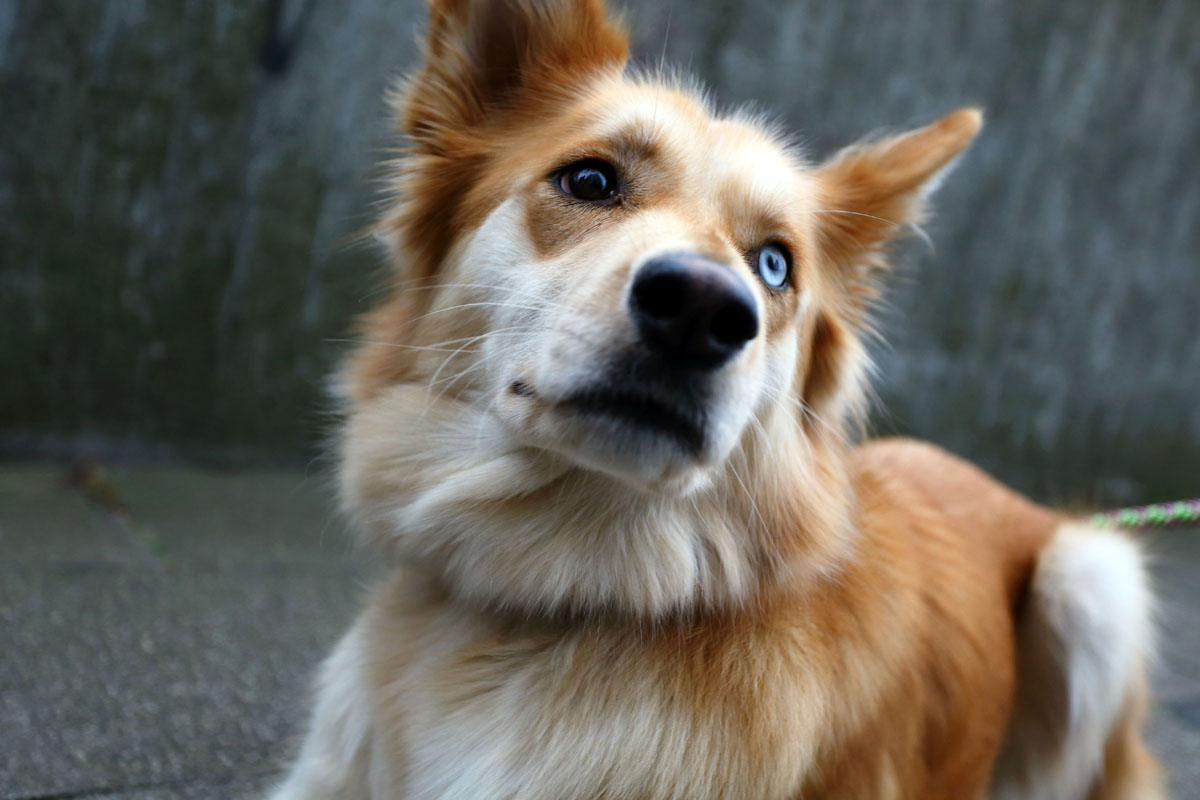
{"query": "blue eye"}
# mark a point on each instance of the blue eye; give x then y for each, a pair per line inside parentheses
(774, 265)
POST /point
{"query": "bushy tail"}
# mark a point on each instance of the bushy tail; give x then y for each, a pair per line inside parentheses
(1083, 639)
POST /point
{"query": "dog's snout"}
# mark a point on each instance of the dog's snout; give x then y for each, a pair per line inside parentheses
(692, 310)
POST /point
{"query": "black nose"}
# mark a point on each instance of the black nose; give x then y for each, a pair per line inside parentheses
(692, 310)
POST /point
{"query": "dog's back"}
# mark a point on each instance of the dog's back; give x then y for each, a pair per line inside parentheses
(1068, 656)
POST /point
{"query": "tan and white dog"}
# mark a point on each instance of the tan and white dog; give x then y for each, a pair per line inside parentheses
(599, 431)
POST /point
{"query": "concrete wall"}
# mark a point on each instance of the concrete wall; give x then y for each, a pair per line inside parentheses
(178, 182)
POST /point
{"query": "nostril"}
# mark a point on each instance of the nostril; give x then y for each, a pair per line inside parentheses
(734, 325)
(660, 295)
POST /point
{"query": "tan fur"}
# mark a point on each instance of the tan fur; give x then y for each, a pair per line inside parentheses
(573, 615)
(1129, 768)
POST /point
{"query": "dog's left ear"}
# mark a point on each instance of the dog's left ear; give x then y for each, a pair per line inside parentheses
(871, 189)
(867, 193)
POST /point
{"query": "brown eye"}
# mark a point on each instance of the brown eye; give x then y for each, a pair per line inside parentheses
(592, 181)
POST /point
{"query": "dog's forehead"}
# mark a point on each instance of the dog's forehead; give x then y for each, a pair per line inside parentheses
(734, 158)
(750, 168)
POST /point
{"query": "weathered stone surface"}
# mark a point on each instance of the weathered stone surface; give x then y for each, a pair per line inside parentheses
(178, 670)
(174, 215)
(177, 219)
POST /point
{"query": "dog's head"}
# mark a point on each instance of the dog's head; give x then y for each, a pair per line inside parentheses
(621, 321)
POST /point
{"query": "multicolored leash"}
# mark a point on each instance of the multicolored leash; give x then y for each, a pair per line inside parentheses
(1160, 515)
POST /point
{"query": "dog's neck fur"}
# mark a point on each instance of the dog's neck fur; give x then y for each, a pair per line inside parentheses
(515, 529)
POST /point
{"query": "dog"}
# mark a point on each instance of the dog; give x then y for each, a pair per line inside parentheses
(600, 430)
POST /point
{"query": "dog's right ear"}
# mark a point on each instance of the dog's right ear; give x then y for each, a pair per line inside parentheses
(488, 63)
(485, 59)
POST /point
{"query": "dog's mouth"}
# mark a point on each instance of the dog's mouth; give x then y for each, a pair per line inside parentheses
(643, 413)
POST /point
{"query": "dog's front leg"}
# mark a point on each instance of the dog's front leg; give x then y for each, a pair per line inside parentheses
(334, 761)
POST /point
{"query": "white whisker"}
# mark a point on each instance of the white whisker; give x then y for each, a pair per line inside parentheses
(441, 346)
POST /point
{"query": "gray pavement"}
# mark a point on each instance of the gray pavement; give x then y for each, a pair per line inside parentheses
(166, 654)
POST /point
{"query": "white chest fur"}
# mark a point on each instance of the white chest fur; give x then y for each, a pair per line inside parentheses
(465, 707)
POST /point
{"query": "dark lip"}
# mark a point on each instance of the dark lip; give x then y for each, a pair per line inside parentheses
(642, 410)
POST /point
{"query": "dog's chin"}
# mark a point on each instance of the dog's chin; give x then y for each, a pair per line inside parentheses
(641, 460)
(643, 442)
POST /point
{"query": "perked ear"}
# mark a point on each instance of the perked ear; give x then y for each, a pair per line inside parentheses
(486, 58)
(871, 189)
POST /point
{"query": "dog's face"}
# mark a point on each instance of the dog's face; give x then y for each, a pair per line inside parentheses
(647, 276)
(611, 279)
